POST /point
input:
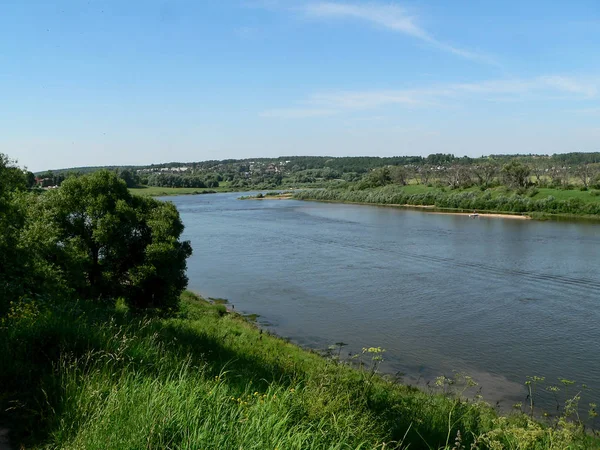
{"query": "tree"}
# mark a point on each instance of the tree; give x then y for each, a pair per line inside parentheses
(399, 175)
(458, 176)
(29, 179)
(130, 178)
(112, 244)
(425, 174)
(12, 177)
(24, 273)
(587, 173)
(540, 170)
(11, 222)
(559, 175)
(485, 173)
(375, 178)
(516, 174)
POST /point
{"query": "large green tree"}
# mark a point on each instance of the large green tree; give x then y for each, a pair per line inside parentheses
(113, 244)
(24, 273)
(11, 221)
(516, 174)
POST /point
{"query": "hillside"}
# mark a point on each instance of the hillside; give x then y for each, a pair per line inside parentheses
(208, 378)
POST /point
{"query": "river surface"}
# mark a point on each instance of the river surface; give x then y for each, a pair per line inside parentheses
(498, 299)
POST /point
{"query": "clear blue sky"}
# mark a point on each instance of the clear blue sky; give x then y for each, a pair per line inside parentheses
(135, 82)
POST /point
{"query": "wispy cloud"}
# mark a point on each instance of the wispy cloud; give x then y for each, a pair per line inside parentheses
(391, 17)
(570, 85)
(298, 113)
(539, 88)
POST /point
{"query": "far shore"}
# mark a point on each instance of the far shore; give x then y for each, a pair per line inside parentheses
(284, 196)
(432, 209)
(491, 215)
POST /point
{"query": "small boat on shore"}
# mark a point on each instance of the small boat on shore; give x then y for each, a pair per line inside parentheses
(473, 214)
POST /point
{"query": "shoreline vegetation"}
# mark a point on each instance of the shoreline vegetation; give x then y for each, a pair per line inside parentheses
(496, 202)
(272, 195)
(432, 209)
(208, 377)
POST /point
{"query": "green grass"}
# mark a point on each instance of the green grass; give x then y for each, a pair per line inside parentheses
(541, 203)
(155, 191)
(562, 194)
(418, 189)
(96, 377)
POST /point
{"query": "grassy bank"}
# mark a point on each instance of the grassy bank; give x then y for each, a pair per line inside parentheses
(93, 377)
(539, 203)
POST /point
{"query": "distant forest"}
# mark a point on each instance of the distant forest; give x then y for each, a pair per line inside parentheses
(568, 170)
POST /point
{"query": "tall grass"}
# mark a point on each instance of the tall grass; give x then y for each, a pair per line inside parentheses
(489, 200)
(87, 376)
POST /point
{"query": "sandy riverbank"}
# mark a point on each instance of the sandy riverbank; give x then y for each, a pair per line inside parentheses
(427, 208)
(270, 197)
(485, 215)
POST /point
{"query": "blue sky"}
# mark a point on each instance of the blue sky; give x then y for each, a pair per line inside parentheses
(137, 82)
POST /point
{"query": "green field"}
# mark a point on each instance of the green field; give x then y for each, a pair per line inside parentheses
(154, 191)
(90, 376)
(590, 196)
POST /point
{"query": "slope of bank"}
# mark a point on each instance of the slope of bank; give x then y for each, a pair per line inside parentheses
(498, 200)
(94, 377)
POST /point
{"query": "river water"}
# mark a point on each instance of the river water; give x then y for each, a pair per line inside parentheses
(498, 299)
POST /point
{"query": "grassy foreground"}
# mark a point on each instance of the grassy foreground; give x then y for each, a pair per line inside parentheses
(92, 377)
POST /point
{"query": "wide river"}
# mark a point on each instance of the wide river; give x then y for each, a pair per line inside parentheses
(498, 299)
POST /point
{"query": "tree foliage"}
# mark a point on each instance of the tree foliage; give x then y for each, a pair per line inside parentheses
(91, 238)
(516, 174)
(114, 244)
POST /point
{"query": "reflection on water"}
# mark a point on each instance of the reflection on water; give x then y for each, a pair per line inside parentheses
(499, 299)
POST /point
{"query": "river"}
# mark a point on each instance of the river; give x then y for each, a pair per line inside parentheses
(498, 299)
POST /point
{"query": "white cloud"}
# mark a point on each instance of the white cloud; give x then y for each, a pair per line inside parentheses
(570, 85)
(391, 17)
(367, 99)
(534, 89)
(388, 16)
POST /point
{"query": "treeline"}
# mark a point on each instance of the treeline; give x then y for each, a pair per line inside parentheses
(56, 178)
(560, 170)
(181, 181)
(467, 200)
(514, 174)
